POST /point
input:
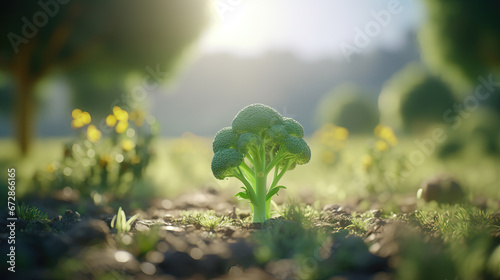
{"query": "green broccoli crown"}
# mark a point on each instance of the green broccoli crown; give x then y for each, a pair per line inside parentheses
(224, 162)
(293, 127)
(224, 139)
(298, 149)
(246, 141)
(277, 133)
(259, 141)
(256, 118)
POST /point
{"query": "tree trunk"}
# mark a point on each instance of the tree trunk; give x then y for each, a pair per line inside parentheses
(24, 114)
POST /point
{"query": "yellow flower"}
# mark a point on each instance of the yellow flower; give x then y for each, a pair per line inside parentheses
(50, 168)
(332, 135)
(366, 162)
(111, 120)
(120, 114)
(85, 117)
(386, 133)
(127, 145)
(76, 113)
(381, 145)
(93, 134)
(77, 123)
(341, 133)
(121, 126)
(80, 118)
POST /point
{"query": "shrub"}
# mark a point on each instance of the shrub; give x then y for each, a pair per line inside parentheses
(413, 99)
(348, 106)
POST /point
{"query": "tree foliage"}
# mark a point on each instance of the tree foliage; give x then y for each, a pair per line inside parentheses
(348, 106)
(40, 36)
(461, 38)
(412, 99)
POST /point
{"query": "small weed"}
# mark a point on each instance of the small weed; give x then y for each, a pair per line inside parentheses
(302, 214)
(289, 236)
(30, 213)
(456, 222)
(120, 222)
(208, 219)
(213, 222)
(360, 223)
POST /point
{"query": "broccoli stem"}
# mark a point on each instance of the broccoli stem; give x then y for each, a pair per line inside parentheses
(247, 171)
(251, 192)
(260, 214)
(275, 160)
(279, 174)
(259, 207)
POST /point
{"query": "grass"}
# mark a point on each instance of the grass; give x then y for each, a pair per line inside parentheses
(30, 213)
(207, 219)
(43, 152)
(212, 222)
(457, 222)
(360, 223)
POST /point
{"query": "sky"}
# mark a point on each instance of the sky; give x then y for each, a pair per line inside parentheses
(310, 29)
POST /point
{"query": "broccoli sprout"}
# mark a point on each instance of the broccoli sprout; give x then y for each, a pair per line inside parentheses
(259, 142)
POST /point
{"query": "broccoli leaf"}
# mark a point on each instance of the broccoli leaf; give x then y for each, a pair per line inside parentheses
(273, 191)
(242, 195)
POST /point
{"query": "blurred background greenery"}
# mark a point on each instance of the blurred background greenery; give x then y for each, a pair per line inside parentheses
(153, 82)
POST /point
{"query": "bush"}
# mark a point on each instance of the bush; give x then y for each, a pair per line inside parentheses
(413, 99)
(108, 160)
(348, 106)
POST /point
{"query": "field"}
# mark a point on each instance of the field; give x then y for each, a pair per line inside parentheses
(352, 212)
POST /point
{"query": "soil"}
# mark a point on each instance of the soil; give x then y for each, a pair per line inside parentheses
(164, 245)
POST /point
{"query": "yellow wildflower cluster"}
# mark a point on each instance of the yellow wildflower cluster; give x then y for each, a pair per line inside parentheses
(118, 118)
(332, 136)
(367, 162)
(386, 137)
(93, 134)
(127, 145)
(80, 118)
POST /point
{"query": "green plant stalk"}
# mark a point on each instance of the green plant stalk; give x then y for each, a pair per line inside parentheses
(277, 176)
(259, 205)
(260, 208)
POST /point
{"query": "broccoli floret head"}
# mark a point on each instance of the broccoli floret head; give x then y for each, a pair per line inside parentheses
(298, 149)
(293, 127)
(224, 163)
(246, 141)
(277, 133)
(224, 139)
(256, 118)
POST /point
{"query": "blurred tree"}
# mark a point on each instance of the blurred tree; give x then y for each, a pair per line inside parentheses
(106, 84)
(6, 95)
(348, 106)
(41, 36)
(461, 38)
(412, 99)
